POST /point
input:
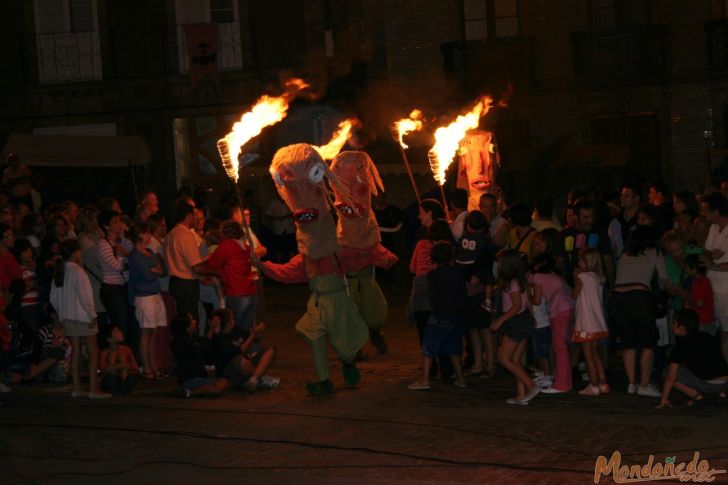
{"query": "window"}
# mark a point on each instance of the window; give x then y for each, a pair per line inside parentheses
(67, 41)
(490, 19)
(222, 11)
(55, 16)
(610, 14)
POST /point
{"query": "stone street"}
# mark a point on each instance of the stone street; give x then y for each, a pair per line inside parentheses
(380, 432)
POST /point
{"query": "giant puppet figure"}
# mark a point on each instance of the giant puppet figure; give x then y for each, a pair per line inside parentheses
(299, 171)
(358, 235)
(479, 162)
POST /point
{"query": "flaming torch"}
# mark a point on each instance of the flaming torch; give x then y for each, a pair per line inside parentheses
(447, 139)
(332, 148)
(267, 111)
(399, 130)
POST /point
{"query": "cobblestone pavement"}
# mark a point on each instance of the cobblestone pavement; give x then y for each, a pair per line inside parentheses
(378, 433)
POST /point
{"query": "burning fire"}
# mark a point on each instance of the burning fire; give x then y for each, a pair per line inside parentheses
(447, 138)
(267, 111)
(406, 125)
(332, 148)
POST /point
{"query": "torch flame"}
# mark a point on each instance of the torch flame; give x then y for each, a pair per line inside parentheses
(406, 125)
(338, 140)
(267, 111)
(447, 138)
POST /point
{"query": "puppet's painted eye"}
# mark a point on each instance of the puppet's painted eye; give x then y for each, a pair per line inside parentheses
(316, 174)
(277, 178)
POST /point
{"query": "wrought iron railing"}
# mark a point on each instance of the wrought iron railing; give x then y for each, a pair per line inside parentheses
(65, 56)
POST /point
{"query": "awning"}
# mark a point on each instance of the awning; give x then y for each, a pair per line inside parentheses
(78, 151)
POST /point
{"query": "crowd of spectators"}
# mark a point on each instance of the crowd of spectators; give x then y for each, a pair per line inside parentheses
(636, 273)
(92, 294)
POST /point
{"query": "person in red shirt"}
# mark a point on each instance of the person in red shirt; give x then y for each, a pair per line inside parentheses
(232, 259)
(700, 298)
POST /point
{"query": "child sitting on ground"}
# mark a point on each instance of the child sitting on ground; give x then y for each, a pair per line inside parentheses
(444, 331)
(700, 298)
(243, 360)
(119, 368)
(696, 366)
(190, 354)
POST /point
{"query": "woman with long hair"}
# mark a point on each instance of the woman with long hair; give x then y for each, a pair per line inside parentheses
(73, 301)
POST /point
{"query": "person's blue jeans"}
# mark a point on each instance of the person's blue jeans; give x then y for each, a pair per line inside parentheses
(243, 308)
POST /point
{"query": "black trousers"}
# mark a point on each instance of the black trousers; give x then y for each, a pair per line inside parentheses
(186, 294)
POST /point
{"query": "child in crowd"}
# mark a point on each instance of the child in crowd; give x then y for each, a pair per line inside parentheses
(590, 325)
(242, 359)
(444, 330)
(517, 322)
(118, 366)
(190, 354)
(700, 298)
(696, 365)
(30, 307)
(553, 292)
(474, 257)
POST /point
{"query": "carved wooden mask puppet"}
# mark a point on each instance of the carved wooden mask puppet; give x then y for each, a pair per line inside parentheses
(357, 226)
(479, 159)
(298, 172)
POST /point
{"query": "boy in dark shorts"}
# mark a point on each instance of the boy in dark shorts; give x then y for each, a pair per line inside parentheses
(696, 365)
(474, 257)
(444, 330)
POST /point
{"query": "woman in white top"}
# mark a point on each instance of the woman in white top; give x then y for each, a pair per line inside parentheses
(73, 300)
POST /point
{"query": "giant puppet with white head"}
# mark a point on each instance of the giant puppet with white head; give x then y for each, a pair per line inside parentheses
(298, 172)
(479, 161)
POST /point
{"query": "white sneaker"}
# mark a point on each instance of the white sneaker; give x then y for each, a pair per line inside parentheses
(648, 391)
(632, 388)
(268, 382)
(511, 400)
(552, 390)
(4, 388)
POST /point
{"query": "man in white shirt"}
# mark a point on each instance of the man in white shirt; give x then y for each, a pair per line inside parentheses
(715, 257)
(184, 264)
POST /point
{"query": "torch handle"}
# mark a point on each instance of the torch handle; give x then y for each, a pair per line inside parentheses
(444, 203)
(409, 172)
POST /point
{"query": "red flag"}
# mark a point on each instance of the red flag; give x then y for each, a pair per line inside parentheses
(202, 40)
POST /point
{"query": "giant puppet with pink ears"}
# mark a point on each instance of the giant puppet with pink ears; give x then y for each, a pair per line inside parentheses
(359, 237)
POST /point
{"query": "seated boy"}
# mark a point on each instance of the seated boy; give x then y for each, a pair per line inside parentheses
(243, 360)
(696, 365)
(120, 371)
(190, 354)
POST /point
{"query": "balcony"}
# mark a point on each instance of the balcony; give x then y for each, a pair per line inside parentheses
(489, 65)
(64, 57)
(624, 55)
(229, 52)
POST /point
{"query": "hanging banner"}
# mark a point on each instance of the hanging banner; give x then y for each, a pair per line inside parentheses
(202, 47)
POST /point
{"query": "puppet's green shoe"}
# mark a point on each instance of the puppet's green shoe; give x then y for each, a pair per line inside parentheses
(351, 374)
(320, 388)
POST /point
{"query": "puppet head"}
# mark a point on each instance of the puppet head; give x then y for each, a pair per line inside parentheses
(479, 159)
(298, 172)
(357, 226)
